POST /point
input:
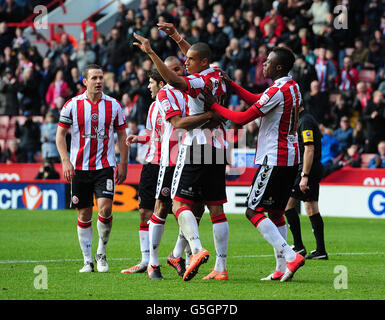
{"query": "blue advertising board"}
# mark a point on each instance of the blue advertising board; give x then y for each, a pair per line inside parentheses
(33, 196)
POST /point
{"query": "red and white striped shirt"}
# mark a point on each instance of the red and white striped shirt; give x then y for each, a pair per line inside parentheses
(154, 124)
(93, 125)
(278, 106)
(196, 83)
(171, 102)
(277, 137)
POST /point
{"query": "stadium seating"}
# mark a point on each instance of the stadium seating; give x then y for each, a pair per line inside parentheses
(365, 158)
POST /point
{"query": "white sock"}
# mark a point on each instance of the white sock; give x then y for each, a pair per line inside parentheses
(85, 239)
(189, 226)
(279, 257)
(271, 234)
(156, 230)
(144, 240)
(104, 229)
(221, 237)
(180, 245)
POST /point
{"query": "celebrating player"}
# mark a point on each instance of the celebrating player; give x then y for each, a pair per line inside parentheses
(277, 155)
(93, 118)
(193, 177)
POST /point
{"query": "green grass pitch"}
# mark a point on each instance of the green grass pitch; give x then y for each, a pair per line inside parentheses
(29, 239)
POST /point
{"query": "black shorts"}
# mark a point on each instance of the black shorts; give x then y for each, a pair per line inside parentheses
(147, 186)
(163, 187)
(87, 183)
(312, 194)
(271, 188)
(198, 177)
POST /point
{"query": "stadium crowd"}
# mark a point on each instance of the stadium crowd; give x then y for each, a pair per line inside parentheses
(340, 68)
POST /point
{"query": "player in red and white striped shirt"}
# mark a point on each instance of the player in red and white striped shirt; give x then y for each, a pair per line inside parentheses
(93, 117)
(196, 180)
(277, 154)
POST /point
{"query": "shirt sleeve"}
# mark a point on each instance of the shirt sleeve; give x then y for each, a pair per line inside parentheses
(270, 99)
(195, 83)
(238, 117)
(65, 118)
(169, 104)
(306, 130)
(247, 96)
(120, 121)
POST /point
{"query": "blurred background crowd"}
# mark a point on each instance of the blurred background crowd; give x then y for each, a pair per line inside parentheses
(340, 67)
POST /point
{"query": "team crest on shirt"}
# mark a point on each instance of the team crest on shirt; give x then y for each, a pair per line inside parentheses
(94, 117)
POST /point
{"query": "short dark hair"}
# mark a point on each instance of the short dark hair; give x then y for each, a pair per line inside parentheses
(285, 57)
(203, 50)
(154, 74)
(90, 67)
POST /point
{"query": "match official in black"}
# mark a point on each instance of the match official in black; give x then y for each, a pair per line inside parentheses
(306, 187)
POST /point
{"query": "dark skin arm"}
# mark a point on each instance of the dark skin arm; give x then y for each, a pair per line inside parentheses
(191, 122)
(168, 75)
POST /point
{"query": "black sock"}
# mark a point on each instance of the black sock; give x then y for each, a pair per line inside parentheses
(295, 227)
(318, 230)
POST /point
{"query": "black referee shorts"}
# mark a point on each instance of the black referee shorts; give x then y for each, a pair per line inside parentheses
(312, 194)
(147, 186)
(87, 183)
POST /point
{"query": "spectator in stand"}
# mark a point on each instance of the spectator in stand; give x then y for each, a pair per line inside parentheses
(22, 65)
(303, 73)
(329, 150)
(257, 79)
(13, 153)
(308, 54)
(158, 44)
(58, 88)
(83, 56)
(53, 52)
(375, 56)
(8, 60)
(29, 135)
(277, 22)
(47, 172)
(35, 57)
(66, 64)
(360, 54)
(20, 42)
(9, 88)
(47, 74)
(348, 76)
(117, 52)
(216, 39)
(48, 138)
(9, 11)
(6, 36)
(75, 83)
(374, 119)
(318, 13)
(100, 50)
(359, 136)
(65, 45)
(111, 87)
(326, 71)
(270, 38)
(133, 129)
(234, 58)
(362, 97)
(29, 93)
(339, 109)
(344, 135)
(317, 102)
(378, 161)
(61, 34)
(224, 26)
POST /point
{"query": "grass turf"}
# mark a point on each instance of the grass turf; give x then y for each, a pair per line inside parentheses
(48, 238)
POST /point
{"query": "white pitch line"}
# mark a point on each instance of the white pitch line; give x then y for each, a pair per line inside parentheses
(136, 258)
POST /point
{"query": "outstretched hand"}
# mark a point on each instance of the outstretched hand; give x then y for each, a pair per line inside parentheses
(144, 44)
(167, 28)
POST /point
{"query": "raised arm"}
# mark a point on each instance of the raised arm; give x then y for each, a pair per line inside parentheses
(168, 75)
(171, 31)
